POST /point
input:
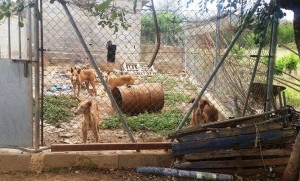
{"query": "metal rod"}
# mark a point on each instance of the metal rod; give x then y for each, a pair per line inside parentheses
(237, 35)
(37, 77)
(219, 7)
(42, 72)
(91, 58)
(284, 99)
(289, 49)
(279, 97)
(272, 58)
(254, 72)
(9, 40)
(20, 41)
(287, 85)
(278, 78)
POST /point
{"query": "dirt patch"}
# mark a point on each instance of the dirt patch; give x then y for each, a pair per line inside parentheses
(87, 175)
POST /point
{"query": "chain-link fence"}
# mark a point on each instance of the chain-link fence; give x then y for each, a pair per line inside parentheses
(191, 45)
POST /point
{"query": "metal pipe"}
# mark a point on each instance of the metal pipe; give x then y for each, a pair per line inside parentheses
(20, 41)
(254, 72)
(37, 77)
(279, 97)
(284, 99)
(42, 76)
(219, 7)
(287, 85)
(186, 174)
(237, 35)
(91, 58)
(272, 58)
(278, 78)
(9, 40)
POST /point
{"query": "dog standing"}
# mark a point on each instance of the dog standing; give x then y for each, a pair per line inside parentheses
(203, 113)
(80, 76)
(91, 112)
(113, 82)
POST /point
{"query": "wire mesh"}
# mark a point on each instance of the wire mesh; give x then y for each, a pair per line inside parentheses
(192, 43)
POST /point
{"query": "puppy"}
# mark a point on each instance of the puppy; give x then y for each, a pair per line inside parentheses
(203, 113)
(80, 76)
(118, 81)
(90, 111)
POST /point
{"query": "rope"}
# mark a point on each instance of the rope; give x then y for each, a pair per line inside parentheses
(257, 141)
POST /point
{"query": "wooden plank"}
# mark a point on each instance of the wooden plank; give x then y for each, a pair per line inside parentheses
(221, 124)
(229, 132)
(110, 146)
(237, 153)
(236, 142)
(233, 163)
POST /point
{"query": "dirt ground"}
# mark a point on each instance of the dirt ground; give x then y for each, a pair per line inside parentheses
(88, 175)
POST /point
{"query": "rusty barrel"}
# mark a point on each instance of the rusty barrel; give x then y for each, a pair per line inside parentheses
(139, 98)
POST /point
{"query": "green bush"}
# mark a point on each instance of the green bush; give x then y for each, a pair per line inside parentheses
(286, 33)
(288, 62)
(57, 109)
(157, 122)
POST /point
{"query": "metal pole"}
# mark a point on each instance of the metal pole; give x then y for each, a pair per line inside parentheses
(219, 6)
(42, 75)
(254, 71)
(272, 58)
(237, 35)
(19, 30)
(9, 40)
(37, 77)
(91, 58)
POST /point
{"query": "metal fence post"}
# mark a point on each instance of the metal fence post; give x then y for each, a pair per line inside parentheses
(272, 58)
(37, 77)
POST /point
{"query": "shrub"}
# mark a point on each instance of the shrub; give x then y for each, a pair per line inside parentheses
(157, 122)
(57, 109)
(288, 62)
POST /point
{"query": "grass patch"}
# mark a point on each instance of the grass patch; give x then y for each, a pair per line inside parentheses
(171, 98)
(168, 82)
(292, 97)
(57, 109)
(161, 123)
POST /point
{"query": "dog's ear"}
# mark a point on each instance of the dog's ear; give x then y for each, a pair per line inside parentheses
(72, 70)
(78, 71)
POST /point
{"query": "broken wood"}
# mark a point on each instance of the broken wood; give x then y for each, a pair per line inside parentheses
(229, 132)
(236, 142)
(237, 153)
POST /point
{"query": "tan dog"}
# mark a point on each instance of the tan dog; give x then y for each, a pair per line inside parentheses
(203, 113)
(113, 82)
(80, 76)
(90, 111)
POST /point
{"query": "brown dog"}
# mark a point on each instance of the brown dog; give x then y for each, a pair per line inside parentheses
(203, 113)
(86, 76)
(113, 82)
(90, 111)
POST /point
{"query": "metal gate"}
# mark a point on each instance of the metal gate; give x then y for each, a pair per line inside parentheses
(15, 104)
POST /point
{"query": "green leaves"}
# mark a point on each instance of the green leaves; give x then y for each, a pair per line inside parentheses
(110, 16)
(103, 6)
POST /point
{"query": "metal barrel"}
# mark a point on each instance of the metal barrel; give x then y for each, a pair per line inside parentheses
(135, 99)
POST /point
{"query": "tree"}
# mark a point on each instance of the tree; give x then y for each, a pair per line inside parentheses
(169, 25)
(293, 5)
